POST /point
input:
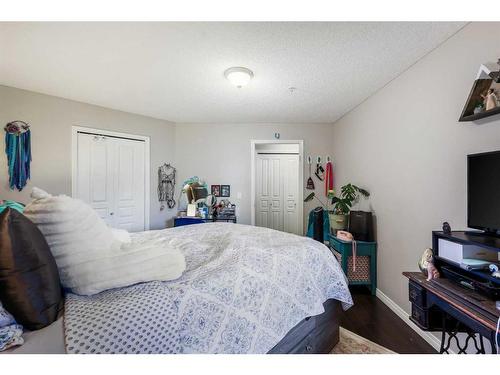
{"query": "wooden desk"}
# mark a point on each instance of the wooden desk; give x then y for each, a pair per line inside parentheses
(441, 305)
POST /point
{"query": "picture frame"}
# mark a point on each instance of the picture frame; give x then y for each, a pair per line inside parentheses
(215, 190)
(225, 191)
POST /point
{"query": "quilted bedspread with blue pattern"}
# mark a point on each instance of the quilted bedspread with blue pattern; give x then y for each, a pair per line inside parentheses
(243, 289)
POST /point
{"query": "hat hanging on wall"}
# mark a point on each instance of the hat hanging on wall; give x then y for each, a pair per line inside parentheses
(18, 150)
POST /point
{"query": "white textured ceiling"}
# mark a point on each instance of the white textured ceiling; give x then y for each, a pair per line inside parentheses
(174, 71)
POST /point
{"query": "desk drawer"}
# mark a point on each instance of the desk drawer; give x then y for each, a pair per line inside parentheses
(417, 295)
(420, 315)
(426, 319)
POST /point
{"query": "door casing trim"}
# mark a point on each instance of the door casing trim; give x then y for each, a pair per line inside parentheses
(253, 153)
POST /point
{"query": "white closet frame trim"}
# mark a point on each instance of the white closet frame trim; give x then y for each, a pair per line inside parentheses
(147, 168)
(253, 153)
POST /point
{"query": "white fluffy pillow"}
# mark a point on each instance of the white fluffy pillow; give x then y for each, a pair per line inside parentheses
(89, 256)
(121, 235)
(71, 227)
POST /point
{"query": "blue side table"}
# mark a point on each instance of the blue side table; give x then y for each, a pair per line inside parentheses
(181, 221)
(365, 274)
(187, 220)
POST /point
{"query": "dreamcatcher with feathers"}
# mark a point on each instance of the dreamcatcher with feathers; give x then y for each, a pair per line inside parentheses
(18, 150)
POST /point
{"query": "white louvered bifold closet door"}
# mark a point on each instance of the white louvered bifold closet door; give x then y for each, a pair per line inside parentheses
(110, 176)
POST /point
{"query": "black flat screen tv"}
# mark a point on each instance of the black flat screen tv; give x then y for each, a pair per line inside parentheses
(483, 191)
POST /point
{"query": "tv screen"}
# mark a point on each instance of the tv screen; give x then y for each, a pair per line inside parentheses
(483, 191)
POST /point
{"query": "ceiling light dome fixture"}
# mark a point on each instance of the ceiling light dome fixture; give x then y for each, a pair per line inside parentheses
(238, 76)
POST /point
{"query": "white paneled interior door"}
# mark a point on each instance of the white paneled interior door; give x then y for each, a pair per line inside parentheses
(276, 192)
(269, 192)
(110, 176)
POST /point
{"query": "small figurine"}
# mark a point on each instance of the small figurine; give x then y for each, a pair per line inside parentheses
(490, 100)
(446, 228)
(426, 265)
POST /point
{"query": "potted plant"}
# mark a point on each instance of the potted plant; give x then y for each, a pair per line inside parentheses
(479, 107)
(338, 207)
(342, 205)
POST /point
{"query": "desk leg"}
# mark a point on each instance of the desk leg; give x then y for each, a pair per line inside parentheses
(492, 342)
(453, 334)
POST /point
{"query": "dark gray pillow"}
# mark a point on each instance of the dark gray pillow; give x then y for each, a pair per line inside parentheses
(29, 280)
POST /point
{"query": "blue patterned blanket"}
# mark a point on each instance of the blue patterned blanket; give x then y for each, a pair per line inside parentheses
(10, 331)
(244, 288)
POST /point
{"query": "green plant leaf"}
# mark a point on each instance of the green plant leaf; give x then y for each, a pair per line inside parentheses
(349, 193)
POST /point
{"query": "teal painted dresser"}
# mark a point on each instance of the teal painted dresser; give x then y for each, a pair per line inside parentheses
(366, 261)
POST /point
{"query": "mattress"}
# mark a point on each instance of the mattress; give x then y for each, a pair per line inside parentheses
(313, 335)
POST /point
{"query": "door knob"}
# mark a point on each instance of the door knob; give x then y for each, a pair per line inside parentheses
(111, 213)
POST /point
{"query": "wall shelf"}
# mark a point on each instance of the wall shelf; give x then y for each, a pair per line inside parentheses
(480, 115)
(486, 79)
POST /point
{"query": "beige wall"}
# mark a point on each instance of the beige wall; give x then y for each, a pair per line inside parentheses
(218, 153)
(405, 145)
(221, 154)
(51, 119)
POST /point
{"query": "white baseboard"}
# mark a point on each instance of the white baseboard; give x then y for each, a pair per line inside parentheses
(427, 336)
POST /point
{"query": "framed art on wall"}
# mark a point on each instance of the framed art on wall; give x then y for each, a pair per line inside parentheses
(225, 191)
(215, 190)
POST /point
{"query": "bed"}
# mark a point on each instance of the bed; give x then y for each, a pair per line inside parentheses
(245, 290)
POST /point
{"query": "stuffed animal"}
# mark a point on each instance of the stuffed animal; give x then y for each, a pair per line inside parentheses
(426, 265)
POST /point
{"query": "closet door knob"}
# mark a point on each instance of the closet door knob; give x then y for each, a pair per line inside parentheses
(111, 213)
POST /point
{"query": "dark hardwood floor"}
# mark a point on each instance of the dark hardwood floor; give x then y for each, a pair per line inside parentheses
(372, 319)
